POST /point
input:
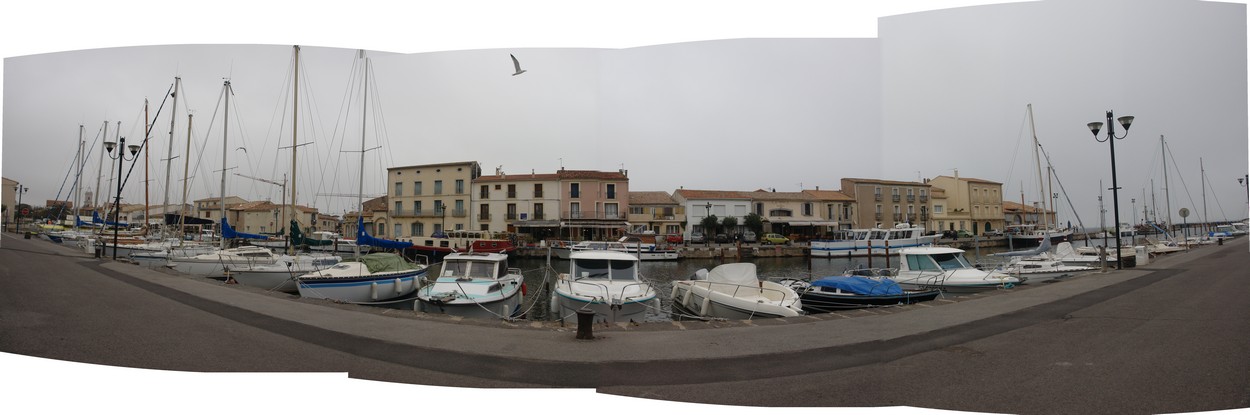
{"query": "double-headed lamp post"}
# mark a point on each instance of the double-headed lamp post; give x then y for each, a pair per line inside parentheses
(707, 238)
(19, 189)
(117, 205)
(1244, 181)
(1095, 127)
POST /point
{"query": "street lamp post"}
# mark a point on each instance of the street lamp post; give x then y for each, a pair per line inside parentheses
(117, 204)
(20, 189)
(707, 238)
(1094, 127)
(1244, 181)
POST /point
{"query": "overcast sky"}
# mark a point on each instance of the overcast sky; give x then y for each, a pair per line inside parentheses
(706, 108)
(698, 99)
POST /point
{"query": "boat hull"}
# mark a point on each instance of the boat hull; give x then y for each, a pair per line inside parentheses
(697, 300)
(359, 290)
(821, 302)
(565, 307)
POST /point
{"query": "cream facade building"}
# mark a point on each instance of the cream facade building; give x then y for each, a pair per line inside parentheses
(427, 199)
(975, 205)
(656, 212)
(524, 203)
(886, 203)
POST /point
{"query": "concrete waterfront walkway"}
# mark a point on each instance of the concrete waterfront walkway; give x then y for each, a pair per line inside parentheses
(626, 359)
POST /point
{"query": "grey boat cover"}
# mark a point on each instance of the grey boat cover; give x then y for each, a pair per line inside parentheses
(737, 274)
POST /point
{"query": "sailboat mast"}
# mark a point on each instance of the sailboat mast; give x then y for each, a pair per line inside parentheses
(1167, 199)
(186, 168)
(294, 147)
(224, 152)
(78, 158)
(1205, 224)
(363, 124)
(112, 166)
(99, 172)
(147, 154)
(169, 158)
(1040, 187)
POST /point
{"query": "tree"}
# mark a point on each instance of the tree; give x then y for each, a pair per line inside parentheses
(709, 226)
(754, 222)
(729, 224)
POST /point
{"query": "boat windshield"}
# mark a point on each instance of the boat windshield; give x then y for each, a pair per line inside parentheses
(604, 269)
(473, 269)
(951, 261)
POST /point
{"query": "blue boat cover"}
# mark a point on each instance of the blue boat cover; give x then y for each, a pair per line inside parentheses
(363, 238)
(229, 233)
(860, 285)
(95, 218)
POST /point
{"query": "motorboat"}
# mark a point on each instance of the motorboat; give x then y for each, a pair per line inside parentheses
(1042, 268)
(1021, 236)
(281, 275)
(871, 242)
(606, 283)
(861, 288)
(946, 269)
(1090, 258)
(474, 284)
(733, 291)
(641, 251)
(325, 241)
(376, 277)
(214, 264)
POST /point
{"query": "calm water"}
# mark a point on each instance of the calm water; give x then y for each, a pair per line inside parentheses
(663, 273)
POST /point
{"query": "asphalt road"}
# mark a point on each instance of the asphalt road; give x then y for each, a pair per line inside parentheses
(1172, 340)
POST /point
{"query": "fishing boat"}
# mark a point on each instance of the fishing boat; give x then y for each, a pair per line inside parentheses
(860, 288)
(376, 277)
(946, 269)
(474, 284)
(733, 291)
(871, 242)
(606, 283)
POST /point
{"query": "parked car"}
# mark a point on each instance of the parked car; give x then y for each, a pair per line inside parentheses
(722, 238)
(673, 239)
(747, 237)
(774, 239)
(696, 237)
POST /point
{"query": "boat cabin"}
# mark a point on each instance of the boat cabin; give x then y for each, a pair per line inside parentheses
(611, 266)
(466, 266)
(933, 259)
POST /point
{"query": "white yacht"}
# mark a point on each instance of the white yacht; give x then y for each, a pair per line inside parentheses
(474, 284)
(607, 283)
(875, 242)
(946, 269)
(733, 291)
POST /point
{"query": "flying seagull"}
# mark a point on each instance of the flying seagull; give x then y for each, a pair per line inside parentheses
(517, 65)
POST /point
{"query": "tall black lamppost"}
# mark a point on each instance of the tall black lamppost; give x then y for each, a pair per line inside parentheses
(20, 189)
(706, 237)
(1094, 127)
(117, 205)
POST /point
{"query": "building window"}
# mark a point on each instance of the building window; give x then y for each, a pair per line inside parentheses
(418, 229)
(438, 187)
(398, 229)
(807, 209)
(484, 213)
(636, 210)
(459, 209)
(459, 186)
(512, 191)
(399, 189)
(575, 190)
(575, 210)
(610, 211)
(611, 191)
(399, 208)
(416, 210)
(538, 211)
(416, 188)
(538, 190)
(937, 209)
(485, 194)
(511, 211)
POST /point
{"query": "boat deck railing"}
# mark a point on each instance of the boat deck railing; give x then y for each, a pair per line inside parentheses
(746, 291)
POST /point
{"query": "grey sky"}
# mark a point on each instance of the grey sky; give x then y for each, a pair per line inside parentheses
(725, 113)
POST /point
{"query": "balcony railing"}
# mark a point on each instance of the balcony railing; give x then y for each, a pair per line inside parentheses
(898, 217)
(924, 216)
(538, 194)
(512, 195)
(483, 216)
(483, 195)
(924, 198)
(911, 198)
(877, 197)
(895, 198)
(459, 213)
(591, 214)
(878, 216)
(511, 216)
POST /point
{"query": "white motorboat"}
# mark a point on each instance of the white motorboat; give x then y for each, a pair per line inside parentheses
(376, 277)
(281, 275)
(1041, 268)
(733, 291)
(159, 255)
(213, 264)
(642, 252)
(324, 241)
(946, 269)
(1090, 258)
(874, 242)
(474, 284)
(605, 282)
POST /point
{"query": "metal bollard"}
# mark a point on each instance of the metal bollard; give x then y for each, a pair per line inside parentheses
(585, 324)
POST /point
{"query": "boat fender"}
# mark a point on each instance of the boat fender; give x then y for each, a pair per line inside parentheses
(523, 291)
(555, 305)
(685, 298)
(373, 290)
(706, 306)
(672, 295)
(399, 289)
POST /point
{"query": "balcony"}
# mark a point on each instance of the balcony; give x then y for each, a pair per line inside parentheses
(878, 216)
(483, 195)
(896, 198)
(924, 198)
(924, 216)
(538, 216)
(459, 213)
(511, 216)
(575, 194)
(512, 195)
(402, 213)
(591, 214)
(898, 217)
(911, 198)
(876, 197)
(483, 216)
